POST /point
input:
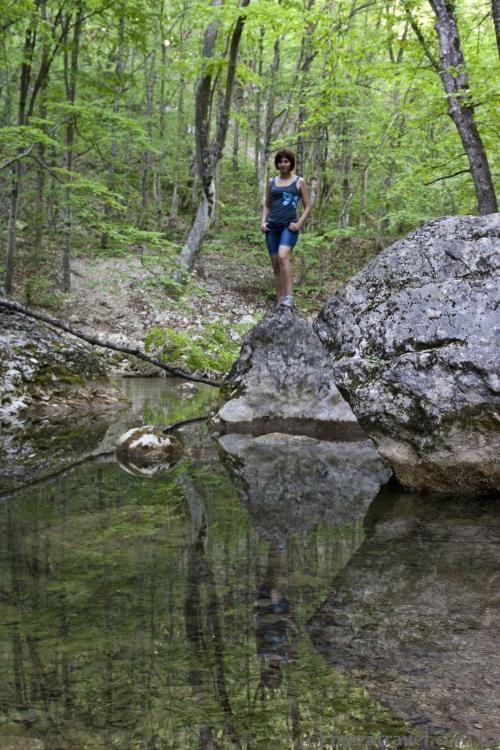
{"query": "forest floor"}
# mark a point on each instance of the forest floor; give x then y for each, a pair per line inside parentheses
(121, 298)
(125, 295)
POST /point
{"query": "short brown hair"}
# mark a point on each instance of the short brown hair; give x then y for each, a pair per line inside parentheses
(286, 154)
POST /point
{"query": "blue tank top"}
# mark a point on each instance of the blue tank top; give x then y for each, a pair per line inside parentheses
(284, 201)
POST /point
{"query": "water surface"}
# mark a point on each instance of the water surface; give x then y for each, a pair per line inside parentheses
(201, 608)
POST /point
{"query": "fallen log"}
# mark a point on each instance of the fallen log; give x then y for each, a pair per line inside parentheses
(8, 304)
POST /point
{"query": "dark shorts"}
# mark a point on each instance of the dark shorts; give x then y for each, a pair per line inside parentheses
(280, 236)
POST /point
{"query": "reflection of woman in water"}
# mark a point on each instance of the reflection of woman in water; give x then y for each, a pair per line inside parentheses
(276, 632)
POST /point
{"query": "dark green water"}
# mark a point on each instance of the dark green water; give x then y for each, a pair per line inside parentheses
(133, 615)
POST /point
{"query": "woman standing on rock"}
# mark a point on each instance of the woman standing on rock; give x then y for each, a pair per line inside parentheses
(280, 223)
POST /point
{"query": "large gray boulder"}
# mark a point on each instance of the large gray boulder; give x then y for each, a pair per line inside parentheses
(415, 342)
(282, 382)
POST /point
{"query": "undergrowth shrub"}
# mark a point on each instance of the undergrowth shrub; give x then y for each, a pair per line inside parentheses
(211, 349)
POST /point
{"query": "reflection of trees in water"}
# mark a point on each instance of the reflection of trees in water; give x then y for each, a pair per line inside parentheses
(276, 631)
(200, 575)
(277, 635)
(115, 627)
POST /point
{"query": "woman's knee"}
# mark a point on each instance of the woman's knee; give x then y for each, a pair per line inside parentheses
(284, 256)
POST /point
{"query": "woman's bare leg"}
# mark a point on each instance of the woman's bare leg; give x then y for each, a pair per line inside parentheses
(277, 276)
(286, 271)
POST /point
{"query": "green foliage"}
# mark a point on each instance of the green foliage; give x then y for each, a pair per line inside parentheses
(39, 291)
(19, 138)
(212, 349)
(353, 84)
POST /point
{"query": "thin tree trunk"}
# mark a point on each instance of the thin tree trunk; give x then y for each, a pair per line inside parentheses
(495, 7)
(113, 149)
(307, 55)
(11, 226)
(270, 116)
(453, 73)
(236, 137)
(258, 122)
(346, 170)
(174, 208)
(363, 199)
(40, 172)
(150, 81)
(158, 172)
(209, 154)
(17, 168)
(71, 74)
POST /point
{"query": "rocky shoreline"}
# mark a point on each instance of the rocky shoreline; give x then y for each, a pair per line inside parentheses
(57, 399)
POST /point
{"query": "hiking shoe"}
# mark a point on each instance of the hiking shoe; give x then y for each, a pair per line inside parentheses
(287, 301)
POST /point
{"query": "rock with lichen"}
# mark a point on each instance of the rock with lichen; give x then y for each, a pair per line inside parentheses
(414, 339)
(282, 382)
(56, 400)
(47, 376)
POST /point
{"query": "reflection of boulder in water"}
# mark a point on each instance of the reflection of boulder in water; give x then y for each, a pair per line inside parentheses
(290, 483)
(145, 451)
(146, 472)
(415, 616)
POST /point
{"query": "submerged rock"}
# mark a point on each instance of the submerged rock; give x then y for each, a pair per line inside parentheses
(282, 382)
(414, 617)
(291, 483)
(145, 449)
(415, 342)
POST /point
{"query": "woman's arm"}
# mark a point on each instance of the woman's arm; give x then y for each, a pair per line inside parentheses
(266, 208)
(306, 200)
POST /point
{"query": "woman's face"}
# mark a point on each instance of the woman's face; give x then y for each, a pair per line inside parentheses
(284, 164)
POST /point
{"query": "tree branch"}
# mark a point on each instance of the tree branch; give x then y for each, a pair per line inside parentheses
(448, 176)
(24, 310)
(17, 157)
(422, 40)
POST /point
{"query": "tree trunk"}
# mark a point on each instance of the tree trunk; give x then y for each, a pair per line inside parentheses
(307, 55)
(199, 227)
(71, 71)
(236, 137)
(363, 199)
(113, 149)
(40, 172)
(11, 226)
(453, 73)
(208, 154)
(495, 7)
(258, 123)
(270, 117)
(346, 170)
(174, 207)
(150, 82)
(29, 46)
(8, 304)
(160, 166)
